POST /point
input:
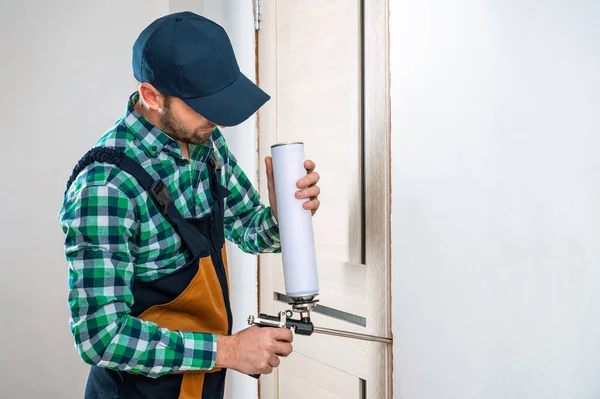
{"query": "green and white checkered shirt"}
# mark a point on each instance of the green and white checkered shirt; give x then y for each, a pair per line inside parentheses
(113, 238)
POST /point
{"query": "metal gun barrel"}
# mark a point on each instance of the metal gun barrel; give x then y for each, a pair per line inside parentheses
(353, 335)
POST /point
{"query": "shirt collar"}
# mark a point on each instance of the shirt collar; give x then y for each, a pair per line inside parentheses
(155, 140)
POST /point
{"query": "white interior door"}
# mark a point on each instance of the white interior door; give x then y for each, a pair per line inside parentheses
(313, 61)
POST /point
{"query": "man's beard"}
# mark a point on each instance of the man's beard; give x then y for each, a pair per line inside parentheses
(172, 127)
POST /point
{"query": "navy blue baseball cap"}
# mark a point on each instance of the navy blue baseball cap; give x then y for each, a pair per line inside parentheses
(187, 56)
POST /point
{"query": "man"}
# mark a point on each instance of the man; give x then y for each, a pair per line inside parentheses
(146, 213)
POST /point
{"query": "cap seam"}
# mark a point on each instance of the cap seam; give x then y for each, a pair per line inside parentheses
(162, 25)
(178, 50)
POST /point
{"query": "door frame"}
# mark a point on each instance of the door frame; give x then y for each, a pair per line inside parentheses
(376, 155)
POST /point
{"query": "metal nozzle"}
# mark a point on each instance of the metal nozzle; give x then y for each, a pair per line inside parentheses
(353, 335)
(303, 304)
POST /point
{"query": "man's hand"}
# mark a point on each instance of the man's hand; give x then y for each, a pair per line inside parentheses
(307, 185)
(254, 350)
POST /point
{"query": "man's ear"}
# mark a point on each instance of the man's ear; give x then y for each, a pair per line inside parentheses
(151, 97)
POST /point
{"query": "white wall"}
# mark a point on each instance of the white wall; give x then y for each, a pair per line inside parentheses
(65, 75)
(496, 186)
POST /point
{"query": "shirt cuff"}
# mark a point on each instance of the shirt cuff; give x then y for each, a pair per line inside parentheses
(271, 228)
(200, 351)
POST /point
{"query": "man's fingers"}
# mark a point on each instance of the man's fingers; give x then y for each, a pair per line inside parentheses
(311, 192)
(267, 370)
(309, 180)
(283, 349)
(274, 361)
(312, 204)
(309, 165)
(283, 334)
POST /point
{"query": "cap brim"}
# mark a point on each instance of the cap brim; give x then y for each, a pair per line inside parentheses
(232, 105)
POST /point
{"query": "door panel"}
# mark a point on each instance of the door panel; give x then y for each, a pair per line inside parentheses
(306, 378)
(318, 89)
(311, 62)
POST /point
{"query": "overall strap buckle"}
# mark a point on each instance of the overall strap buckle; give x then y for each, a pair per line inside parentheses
(161, 196)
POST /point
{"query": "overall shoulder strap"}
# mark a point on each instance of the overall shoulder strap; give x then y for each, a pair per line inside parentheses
(114, 157)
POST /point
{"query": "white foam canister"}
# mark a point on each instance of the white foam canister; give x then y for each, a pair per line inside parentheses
(295, 223)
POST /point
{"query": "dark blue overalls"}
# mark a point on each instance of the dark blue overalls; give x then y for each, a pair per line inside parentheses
(194, 298)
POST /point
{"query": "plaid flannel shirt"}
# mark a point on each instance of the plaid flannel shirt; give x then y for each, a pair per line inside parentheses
(113, 238)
